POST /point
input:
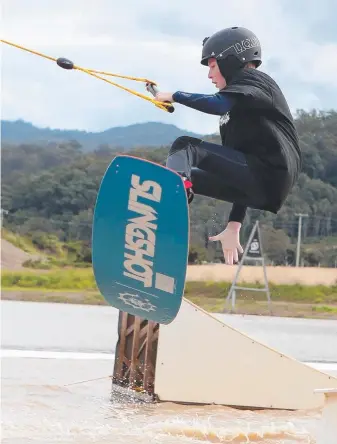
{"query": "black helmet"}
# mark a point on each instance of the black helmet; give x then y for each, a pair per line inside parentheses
(232, 48)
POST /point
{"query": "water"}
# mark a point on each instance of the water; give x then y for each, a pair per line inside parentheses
(56, 362)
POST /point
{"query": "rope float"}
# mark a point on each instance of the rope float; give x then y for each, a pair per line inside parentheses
(64, 63)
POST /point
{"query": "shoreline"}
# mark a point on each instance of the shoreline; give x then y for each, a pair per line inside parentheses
(213, 305)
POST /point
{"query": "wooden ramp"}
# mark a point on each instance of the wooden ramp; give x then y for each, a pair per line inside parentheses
(136, 351)
(200, 360)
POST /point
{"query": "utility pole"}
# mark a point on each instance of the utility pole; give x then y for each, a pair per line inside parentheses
(299, 235)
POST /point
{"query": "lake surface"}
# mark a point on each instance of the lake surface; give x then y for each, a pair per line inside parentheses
(56, 388)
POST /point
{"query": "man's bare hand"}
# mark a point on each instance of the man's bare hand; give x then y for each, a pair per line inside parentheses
(164, 97)
(230, 241)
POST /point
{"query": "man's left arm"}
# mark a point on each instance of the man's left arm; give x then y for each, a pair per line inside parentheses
(238, 213)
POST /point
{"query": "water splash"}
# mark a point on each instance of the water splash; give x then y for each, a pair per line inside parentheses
(240, 433)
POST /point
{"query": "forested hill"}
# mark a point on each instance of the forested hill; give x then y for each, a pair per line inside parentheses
(50, 194)
(148, 134)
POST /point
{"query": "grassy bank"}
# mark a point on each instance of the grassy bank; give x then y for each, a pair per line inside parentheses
(83, 279)
(78, 286)
(22, 242)
(60, 279)
(212, 305)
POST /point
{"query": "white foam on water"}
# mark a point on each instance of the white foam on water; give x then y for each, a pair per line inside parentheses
(323, 365)
(238, 432)
(326, 367)
(42, 354)
(45, 354)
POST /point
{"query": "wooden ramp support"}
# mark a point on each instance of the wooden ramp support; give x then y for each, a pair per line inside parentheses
(136, 351)
(201, 360)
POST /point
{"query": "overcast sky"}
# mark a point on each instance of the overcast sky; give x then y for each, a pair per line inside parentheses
(157, 40)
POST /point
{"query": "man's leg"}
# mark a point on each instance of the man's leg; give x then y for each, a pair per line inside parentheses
(216, 171)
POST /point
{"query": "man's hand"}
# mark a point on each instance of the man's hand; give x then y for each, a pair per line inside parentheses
(230, 240)
(164, 97)
(160, 96)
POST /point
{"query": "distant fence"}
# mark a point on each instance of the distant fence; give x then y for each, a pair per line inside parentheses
(252, 274)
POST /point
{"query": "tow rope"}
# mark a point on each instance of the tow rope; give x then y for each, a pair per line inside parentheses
(68, 64)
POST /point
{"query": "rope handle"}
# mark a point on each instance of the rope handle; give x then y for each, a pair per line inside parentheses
(68, 64)
(153, 90)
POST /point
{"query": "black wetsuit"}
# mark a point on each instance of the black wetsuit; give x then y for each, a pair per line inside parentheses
(259, 159)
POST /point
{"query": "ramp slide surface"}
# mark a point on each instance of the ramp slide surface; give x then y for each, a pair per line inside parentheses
(202, 360)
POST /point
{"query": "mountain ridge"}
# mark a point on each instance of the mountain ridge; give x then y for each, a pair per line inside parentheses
(128, 136)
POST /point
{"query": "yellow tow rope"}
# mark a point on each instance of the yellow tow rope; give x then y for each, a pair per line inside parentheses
(67, 64)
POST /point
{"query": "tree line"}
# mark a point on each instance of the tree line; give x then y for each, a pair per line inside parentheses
(50, 192)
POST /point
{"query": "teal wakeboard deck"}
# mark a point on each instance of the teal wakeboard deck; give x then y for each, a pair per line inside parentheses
(140, 238)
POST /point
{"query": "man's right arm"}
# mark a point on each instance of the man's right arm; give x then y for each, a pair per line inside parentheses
(216, 104)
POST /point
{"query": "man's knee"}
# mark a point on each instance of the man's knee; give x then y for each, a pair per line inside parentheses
(182, 143)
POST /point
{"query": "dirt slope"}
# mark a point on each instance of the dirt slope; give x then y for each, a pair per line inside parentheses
(12, 257)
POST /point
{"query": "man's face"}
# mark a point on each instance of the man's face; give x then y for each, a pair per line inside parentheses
(215, 75)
